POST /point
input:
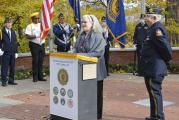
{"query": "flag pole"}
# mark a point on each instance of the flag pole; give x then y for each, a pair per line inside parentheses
(50, 42)
(143, 6)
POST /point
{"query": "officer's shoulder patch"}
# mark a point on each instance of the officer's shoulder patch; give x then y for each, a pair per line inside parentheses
(159, 32)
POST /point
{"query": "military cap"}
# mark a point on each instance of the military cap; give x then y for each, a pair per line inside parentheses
(153, 10)
(60, 15)
(7, 19)
(35, 14)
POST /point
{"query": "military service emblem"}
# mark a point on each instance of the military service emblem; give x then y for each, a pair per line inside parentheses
(62, 101)
(70, 103)
(62, 92)
(63, 77)
(55, 91)
(55, 100)
(70, 93)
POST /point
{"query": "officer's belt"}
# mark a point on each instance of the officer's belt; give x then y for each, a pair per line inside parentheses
(64, 42)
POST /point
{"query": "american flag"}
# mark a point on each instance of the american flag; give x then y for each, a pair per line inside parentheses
(46, 17)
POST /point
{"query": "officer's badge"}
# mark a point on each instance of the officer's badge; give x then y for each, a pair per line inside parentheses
(62, 76)
(159, 32)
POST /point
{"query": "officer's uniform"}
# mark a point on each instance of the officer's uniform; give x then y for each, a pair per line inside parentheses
(155, 53)
(139, 36)
(9, 46)
(37, 48)
(63, 33)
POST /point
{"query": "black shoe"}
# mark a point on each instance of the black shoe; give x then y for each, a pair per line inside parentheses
(12, 83)
(35, 80)
(4, 84)
(42, 79)
(149, 118)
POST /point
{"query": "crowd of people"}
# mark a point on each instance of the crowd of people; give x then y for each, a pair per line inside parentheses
(150, 39)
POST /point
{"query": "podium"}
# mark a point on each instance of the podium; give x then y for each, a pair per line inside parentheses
(73, 87)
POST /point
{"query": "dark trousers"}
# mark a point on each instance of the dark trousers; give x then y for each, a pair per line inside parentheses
(154, 88)
(63, 48)
(100, 99)
(38, 53)
(8, 61)
(106, 57)
(138, 49)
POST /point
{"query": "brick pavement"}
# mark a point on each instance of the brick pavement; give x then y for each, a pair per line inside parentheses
(120, 91)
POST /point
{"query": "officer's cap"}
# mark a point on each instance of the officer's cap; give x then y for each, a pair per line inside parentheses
(153, 10)
(34, 15)
(61, 15)
(7, 19)
(103, 19)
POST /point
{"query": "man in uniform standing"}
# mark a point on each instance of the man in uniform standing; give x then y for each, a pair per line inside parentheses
(156, 52)
(63, 33)
(8, 50)
(37, 47)
(139, 36)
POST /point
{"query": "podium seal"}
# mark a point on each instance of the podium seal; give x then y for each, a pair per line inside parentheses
(62, 92)
(63, 77)
(55, 100)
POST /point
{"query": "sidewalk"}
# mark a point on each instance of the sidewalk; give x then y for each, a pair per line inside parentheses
(125, 98)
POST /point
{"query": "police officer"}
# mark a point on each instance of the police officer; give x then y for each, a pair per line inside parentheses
(139, 36)
(37, 47)
(155, 53)
(8, 50)
(108, 37)
(63, 33)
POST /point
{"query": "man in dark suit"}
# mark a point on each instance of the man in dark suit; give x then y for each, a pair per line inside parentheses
(8, 50)
(155, 53)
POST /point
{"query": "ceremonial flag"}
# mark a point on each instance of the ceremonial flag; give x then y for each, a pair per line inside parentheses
(46, 17)
(75, 4)
(115, 18)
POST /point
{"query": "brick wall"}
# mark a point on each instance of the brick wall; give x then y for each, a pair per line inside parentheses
(117, 56)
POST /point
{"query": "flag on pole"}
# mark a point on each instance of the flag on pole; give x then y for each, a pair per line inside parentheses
(46, 17)
(75, 4)
(115, 18)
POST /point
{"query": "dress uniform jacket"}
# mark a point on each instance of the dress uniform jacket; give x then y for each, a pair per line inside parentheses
(61, 37)
(156, 52)
(8, 45)
(93, 44)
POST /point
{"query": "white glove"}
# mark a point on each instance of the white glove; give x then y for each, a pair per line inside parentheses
(1, 52)
(16, 55)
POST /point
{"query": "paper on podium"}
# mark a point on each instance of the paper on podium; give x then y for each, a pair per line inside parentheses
(89, 71)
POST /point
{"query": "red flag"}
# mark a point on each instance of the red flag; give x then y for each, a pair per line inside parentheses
(46, 17)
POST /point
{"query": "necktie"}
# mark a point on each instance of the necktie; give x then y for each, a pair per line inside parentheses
(9, 35)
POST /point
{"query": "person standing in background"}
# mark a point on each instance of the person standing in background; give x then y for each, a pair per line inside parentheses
(108, 37)
(63, 33)
(140, 34)
(8, 51)
(37, 47)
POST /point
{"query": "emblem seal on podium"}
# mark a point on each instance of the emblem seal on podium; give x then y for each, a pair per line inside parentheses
(63, 77)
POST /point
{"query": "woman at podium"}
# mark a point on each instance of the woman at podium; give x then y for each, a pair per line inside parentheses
(90, 42)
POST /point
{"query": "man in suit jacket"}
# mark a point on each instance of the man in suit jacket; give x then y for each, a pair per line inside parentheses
(8, 50)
